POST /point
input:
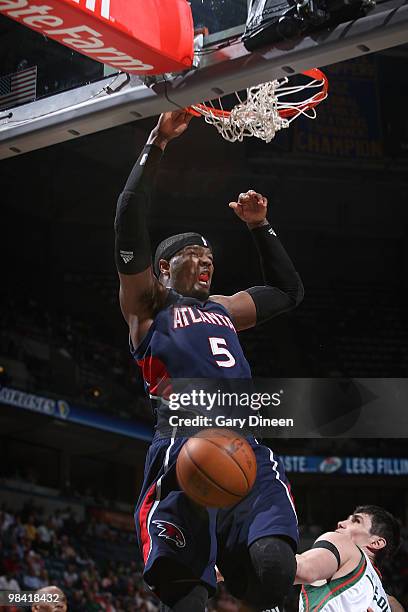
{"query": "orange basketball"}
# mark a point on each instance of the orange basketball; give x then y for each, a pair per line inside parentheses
(216, 468)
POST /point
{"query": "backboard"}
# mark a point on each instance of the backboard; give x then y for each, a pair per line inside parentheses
(61, 68)
(79, 96)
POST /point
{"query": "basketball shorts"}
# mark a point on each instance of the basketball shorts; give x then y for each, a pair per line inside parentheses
(177, 538)
(268, 510)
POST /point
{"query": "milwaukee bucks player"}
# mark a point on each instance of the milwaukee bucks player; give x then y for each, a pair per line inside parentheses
(339, 574)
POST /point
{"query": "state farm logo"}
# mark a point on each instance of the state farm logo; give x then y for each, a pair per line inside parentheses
(91, 6)
(51, 20)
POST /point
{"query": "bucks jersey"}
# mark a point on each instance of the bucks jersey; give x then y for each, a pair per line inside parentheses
(358, 591)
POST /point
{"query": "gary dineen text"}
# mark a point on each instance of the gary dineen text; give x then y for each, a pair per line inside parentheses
(253, 420)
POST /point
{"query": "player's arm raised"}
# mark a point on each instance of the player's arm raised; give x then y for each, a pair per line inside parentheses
(282, 289)
(329, 553)
(141, 295)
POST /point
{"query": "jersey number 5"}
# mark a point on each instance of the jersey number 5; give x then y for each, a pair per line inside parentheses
(218, 347)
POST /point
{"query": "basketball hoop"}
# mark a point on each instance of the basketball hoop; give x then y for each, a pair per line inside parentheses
(264, 112)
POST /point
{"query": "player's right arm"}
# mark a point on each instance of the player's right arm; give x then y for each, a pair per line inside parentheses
(332, 553)
(141, 295)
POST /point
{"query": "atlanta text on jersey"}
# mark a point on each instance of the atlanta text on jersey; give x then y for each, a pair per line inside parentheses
(183, 316)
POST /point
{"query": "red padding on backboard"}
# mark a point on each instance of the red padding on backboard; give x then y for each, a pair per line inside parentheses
(136, 36)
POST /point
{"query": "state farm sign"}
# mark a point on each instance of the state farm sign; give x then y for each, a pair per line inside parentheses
(110, 32)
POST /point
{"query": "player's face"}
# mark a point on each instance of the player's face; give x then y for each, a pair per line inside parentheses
(191, 271)
(358, 527)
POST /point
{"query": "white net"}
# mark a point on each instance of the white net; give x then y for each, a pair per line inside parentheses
(260, 114)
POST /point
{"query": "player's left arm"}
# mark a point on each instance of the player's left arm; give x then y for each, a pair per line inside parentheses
(282, 290)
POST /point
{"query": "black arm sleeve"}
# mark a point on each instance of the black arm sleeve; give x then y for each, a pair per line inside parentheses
(283, 289)
(331, 547)
(132, 242)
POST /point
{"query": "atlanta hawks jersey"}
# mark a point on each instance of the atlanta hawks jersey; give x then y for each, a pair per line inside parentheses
(358, 591)
(189, 339)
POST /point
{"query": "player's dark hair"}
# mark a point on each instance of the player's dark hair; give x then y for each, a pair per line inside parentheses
(385, 525)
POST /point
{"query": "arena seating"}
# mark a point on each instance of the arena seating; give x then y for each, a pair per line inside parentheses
(98, 567)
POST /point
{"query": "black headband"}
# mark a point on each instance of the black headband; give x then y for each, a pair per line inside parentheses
(170, 246)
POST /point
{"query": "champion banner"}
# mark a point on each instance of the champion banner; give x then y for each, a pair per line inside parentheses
(140, 37)
(349, 124)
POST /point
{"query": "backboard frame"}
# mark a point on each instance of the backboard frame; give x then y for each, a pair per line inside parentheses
(91, 108)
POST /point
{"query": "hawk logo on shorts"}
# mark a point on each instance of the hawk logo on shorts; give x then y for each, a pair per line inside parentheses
(171, 532)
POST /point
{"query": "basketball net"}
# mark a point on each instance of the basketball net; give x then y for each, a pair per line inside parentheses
(265, 110)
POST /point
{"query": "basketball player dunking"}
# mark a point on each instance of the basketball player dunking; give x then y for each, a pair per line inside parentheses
(177, 330)
(338, 572)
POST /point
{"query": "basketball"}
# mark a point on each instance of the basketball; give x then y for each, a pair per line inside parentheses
(216, 468)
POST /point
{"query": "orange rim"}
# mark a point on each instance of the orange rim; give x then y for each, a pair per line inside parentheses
(313, 73)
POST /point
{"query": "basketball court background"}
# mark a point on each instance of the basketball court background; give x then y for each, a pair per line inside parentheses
(338, 191)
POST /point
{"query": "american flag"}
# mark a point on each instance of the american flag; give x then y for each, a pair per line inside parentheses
(18, 87)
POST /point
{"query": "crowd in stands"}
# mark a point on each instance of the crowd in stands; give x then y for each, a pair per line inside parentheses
(98, 568)
(94, 564)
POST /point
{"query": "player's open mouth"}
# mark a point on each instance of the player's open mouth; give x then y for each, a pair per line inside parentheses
(203, 278)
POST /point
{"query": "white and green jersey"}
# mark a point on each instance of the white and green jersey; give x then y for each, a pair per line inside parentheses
(358, 591)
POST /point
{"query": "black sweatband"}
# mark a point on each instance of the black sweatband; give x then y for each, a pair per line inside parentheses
(132, 242)
(269, 302)
(329, 546)
(172, 245)
(283, 289)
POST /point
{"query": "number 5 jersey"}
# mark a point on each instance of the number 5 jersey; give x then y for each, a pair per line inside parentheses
(189, 339)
